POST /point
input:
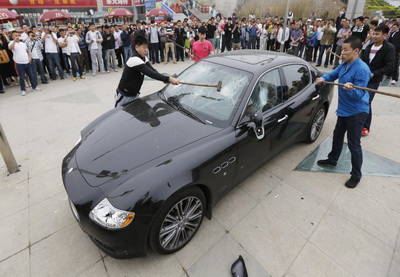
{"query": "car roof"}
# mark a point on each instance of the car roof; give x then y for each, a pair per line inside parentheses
(250, 60)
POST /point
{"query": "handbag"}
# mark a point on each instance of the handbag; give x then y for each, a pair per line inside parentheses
(4, 58)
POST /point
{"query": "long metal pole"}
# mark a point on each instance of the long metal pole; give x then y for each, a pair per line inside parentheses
(285, 25)
(7, 154)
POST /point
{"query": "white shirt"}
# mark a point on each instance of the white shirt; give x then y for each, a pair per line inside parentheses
(24, 36)
(374, 49)
(20, 55)
(49, 45)
(95, 37)
(73, 45)
(63, 49)
(117, 37)
(320, 33)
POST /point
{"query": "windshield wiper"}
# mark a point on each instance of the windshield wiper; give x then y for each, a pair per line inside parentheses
(175, 103)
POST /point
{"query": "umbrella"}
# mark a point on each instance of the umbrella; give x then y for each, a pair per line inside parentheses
(119, 13)
(54, 15)
(6, 15)
(157, 13)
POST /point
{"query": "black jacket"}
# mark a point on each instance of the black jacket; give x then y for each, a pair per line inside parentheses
(395, 40)
(383, 62)
(133, 75)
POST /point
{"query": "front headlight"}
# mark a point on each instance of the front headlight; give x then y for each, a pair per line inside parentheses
(109, 217)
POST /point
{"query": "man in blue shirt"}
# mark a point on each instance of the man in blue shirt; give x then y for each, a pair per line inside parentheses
(352, 109)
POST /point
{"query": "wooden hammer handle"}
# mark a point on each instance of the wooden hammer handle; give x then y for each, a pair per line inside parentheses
(200, 85)
(367, 89)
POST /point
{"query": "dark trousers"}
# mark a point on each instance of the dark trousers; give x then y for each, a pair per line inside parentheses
(367, 123)
(179, 51)
(66, 62)
(353, 126)
(228, 43)
(308, 53)
(322, 50)
(54, 61)
(395, 75)
(85, 59)
(253, 42)
(154, 52)
(316, 47)
(22, 69)
(76, 63)
(258, 42)
(37, 67)
(243, 43)
(105, 62)
(119, 52)
(162, 50)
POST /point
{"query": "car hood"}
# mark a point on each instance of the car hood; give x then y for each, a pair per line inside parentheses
(134, 135)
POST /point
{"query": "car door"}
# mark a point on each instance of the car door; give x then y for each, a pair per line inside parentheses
(301, 99)
(267, 97)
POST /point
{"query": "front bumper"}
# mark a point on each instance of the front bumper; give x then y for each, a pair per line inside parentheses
(127, 242)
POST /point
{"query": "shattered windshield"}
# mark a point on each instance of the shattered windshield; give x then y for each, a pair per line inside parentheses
(207, 103)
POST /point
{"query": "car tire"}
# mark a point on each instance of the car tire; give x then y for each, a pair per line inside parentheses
(316, 125)
(177, 221)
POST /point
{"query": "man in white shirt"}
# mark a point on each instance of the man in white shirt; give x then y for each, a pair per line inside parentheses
(22, 58)
(119, 48)
(94, 39)
(50, 48)
(24, 34)
(62, 42)
(74, 53)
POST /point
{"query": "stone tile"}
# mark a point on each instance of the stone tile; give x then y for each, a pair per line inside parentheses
(319, 186)
(313, 262)
(274, 244)
(280, 166)
(218, 261)
(375, 218)
(296, 209)
(232, 208)
(259, 184)
(67, 252)
(16, 266)
(97, 270)
(152, 265)
(43, 163)
(209, 234)
(384, 190)
(358, 252)
(14, 234)
(45, 185)
(44, 145)
(13, 198)
(49, 216)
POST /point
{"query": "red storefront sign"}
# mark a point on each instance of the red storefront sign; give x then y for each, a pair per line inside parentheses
(117, 3)
(15, 4)
(139, 2)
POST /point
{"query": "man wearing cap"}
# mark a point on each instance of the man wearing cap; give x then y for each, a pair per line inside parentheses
(202, 48)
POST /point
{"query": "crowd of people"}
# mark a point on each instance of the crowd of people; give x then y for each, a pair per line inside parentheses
(73, 51)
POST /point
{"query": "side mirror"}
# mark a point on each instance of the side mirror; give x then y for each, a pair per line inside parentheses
(257, 119)
(238, 268)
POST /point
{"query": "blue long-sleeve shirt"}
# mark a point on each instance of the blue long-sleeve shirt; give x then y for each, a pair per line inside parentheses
(353, 101)
(126, 39)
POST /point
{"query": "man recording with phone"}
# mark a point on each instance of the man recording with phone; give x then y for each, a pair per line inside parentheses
(74, 53)
(36, 46)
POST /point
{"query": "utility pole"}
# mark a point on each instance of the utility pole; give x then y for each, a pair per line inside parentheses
(7, 154)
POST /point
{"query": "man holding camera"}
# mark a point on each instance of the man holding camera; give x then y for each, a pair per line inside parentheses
(50, 48)
(74, 52)
(36, 46)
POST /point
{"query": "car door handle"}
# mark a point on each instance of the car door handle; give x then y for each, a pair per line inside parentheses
(283, 118)
(316, 97)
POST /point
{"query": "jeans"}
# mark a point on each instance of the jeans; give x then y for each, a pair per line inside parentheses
(353, 126)
(128, 52)
(253, 41)
(22, 69)
(322, 49)
(54, 61)
(96, 56)
(37, 67)
(367, 123)
(76, 63)
(154, 52)
(66, 63)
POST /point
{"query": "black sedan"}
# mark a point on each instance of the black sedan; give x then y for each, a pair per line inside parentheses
(148, 172)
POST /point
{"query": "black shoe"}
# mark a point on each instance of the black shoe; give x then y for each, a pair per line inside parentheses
(45, 82)
(153, 62)
(317, 65)
(2, 91)
(326, 162)
(331, 63)
(120, 66)
(352, 183)
(158, 62)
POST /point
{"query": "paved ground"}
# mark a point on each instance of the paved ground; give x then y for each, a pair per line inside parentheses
(283, 222)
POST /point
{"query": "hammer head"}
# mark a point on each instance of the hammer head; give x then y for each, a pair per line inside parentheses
(219, 86)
